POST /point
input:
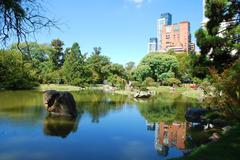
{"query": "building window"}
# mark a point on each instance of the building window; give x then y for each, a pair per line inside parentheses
(167, 36)
(168, 29)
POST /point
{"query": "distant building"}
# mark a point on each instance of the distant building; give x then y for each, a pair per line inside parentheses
(165, 19)
(192, 47)
(152, 45)
(176, 37)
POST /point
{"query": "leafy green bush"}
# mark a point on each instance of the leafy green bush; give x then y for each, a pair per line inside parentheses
(197, 80)
(117, 81)
(150, 82)
(172, 81)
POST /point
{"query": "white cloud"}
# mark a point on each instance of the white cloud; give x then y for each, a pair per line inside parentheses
(137, 3)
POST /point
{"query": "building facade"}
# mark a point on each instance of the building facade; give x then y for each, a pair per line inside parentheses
(176, 37)
(165, 19)
(152, 45)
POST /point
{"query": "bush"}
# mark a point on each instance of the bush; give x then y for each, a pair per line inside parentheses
(139, 86)
(117, 81)
(197, 80)
(150, 82)
(172, 81)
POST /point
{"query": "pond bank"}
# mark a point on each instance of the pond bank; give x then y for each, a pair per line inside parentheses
(227, 148)
(184, 91)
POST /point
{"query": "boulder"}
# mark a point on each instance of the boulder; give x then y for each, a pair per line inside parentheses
(142, 94)
(60, 103)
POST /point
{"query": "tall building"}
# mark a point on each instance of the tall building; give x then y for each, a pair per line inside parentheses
(165, 19)
(152, 45)
(176, 37)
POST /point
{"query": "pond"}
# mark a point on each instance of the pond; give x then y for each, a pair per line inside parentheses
(108, 126)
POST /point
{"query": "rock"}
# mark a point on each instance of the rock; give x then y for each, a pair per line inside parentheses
(60, 103)
(215, 137)
(226, 129)
(142, 94)
(219, 122)
(195, 114)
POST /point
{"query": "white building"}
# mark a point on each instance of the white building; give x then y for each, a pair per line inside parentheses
(152, 45)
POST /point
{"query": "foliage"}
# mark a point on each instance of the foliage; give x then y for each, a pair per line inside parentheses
(150, 82)
(219, 41)
(57, 57)
(100, 66)
(228, 88)
(75, 69)
(14, 73)
(157, 66)
(117, 81)
(172, 81)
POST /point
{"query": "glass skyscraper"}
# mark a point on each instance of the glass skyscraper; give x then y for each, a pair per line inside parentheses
(165, 19)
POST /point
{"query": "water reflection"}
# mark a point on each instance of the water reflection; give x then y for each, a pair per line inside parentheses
(60, 126)
(114, 115)
(170, 135)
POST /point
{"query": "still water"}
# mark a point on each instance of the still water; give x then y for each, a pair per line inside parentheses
(108, 126)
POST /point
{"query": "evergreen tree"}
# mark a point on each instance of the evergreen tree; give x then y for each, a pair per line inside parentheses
(219, 40)
(57, 57)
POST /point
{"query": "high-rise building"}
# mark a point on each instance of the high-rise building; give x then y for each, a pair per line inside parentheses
(176, 37)
(152, 45)
(165, 19)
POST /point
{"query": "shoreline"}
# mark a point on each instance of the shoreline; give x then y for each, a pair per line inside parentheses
(184, 91)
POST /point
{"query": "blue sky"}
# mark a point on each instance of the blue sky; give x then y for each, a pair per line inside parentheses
(120, 27)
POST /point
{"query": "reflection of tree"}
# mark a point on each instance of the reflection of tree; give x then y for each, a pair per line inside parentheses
(19, 106)
(165, 107)
(98, 104)
(60, 126)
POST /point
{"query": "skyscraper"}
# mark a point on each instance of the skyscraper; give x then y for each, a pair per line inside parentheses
(152, 45)
(165, 19)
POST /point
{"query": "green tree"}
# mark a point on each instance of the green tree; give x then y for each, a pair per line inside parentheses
(219, 40)
(75, 69)
(157, 66)
(14, 73)
(100, 67)
(57, 57)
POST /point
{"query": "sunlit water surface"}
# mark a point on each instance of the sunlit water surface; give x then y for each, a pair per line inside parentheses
(108, 126)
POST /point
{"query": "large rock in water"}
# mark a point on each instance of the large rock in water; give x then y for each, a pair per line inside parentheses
(60, 103)
(142, 94)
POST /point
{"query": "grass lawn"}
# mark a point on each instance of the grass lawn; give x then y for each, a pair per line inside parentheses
(227, 148)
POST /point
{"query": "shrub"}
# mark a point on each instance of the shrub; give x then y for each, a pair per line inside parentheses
(172, 81)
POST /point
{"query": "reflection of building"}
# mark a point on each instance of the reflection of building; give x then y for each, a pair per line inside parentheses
(152, 45)
(150, 126)
(170, 135)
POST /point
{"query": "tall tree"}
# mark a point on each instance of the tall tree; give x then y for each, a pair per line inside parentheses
(75, 68)
(57, 57)
(100, 66)
(219, 40)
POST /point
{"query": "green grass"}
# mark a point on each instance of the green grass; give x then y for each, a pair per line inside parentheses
(63, 87)
(227, 148)
(186, 92)
(59, 87)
